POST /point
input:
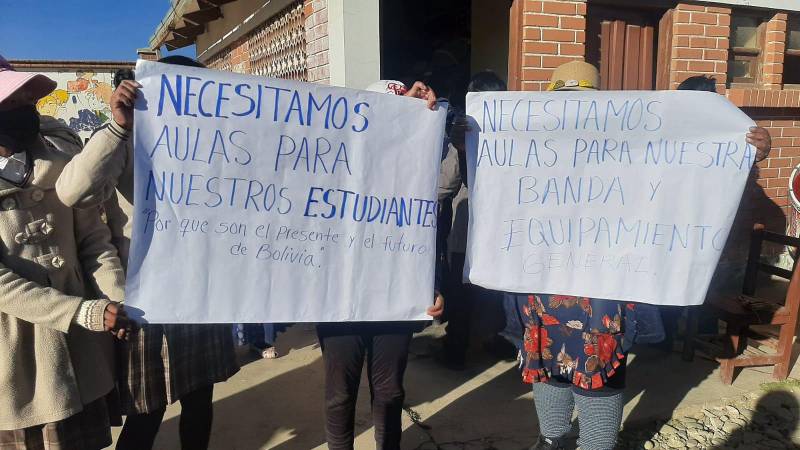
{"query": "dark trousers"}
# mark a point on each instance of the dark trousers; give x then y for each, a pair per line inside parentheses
(197, 413)
(458, 310)
(345, 347)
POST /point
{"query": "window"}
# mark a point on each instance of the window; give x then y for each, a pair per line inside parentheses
(791, 65)
(747, 37)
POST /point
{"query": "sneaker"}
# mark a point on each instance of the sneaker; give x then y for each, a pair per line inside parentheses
(544, 443)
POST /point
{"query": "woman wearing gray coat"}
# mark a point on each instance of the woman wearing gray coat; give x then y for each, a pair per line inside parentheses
(59, 279)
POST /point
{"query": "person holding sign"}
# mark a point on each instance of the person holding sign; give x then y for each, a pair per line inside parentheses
(56, 355)
(161, 364)
(574, 348)
(384, 345)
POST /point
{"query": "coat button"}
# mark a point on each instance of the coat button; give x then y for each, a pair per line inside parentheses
(46, 229)
(37, 195)
(8, 203)
(57, 262)
(21, 238)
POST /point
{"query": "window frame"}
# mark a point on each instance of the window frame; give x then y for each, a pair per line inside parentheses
(794, 20)
(752, 55)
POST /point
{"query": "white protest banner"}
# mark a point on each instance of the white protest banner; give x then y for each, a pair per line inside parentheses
(617, 195)
(266, 200)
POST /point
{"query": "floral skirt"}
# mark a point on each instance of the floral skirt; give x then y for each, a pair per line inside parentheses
(575, 339)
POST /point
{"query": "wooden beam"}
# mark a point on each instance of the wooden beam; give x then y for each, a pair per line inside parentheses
(210, 3)
(178, 42)
(189, 31)
(203, 16)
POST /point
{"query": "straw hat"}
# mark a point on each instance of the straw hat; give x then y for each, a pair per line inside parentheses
(575, 76)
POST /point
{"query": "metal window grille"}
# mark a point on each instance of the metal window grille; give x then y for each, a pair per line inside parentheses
(276, 48)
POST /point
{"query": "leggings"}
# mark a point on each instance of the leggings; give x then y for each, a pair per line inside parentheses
(345, 347)
(197, 413)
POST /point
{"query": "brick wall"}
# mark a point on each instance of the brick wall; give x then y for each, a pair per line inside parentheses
(554, 32)
(316, 12)
(774, 50)
(700, 43)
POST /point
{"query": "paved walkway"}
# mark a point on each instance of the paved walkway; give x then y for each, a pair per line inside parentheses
(277, 403)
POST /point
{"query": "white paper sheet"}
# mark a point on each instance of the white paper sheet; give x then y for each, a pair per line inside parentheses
(265, 200)
(617, 195)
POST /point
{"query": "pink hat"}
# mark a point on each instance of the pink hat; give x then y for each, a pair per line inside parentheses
(11, 81)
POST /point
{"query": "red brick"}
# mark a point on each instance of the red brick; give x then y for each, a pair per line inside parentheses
(559, 7)
(688, 53)
(781, 141)
(571, 49)
(724, 19)
(573, 23)
(715, 55)
(580, 37)
(768, 173)
(582, 8)
(780, 162)
(533, 34)
(773, 58)
(776, 36)
(544, 48)
(704, 18)
(533, 6)
(555, 61)
(776, 25)
(794, 132)
(702, 42)
(680, 66)
(701, 66)
(558, 35)
(717, 31)
(718, 10)
(540, 20)
(537, 74)
(682, 17)
(778, 47)
(789, 152)
(689, 29)
(723, 43)
(681, 41)
(531, 61)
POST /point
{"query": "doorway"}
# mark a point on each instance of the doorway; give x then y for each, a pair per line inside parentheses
(623, 42)
(444, 42)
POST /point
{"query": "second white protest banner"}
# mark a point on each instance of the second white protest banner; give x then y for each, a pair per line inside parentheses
(266, 200)
(617, 195)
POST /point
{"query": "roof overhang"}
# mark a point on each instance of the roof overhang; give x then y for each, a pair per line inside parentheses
(185, 20)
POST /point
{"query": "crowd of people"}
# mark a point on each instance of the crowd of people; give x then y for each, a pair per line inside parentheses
(72, 364)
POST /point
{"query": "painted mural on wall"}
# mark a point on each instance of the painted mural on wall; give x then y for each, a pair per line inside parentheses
(81, 100)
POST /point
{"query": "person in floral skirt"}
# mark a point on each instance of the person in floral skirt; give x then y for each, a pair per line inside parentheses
(574, 348)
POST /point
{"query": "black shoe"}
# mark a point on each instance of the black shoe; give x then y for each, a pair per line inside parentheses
(544, 443)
